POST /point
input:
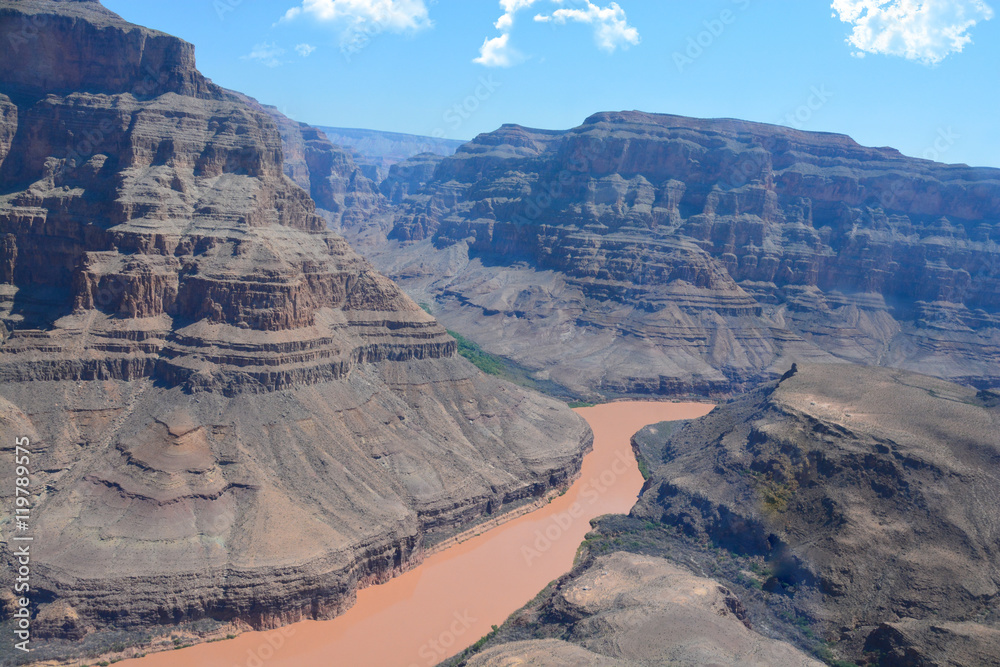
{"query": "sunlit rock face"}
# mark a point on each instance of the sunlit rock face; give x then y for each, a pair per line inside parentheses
(233, 415)
(643, 253)
(867, 492)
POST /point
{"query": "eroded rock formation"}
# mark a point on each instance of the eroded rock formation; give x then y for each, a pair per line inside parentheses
(232, 414)
(869, 492)
(646, 253)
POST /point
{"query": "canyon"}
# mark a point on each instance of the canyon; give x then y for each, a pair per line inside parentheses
(458, 593)
(647, 254)
(849, 510)
(224, 336)
(236, 419)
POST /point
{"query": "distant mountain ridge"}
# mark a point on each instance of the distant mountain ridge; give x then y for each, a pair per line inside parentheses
(384, 149)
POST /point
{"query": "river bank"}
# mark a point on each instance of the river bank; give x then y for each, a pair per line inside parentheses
(451, 600)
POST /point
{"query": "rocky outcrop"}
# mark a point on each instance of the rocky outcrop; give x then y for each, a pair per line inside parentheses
(868, 492)
(409, 177)
(542, 653)
(344, 195)
(661, 254)
(627, 609)
(233, 416)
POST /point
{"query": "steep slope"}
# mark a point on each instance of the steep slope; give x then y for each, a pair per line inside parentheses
(647, 253)
(626, 609)
(344, 195)
(846, 510)
(232, 415)
(870, 492)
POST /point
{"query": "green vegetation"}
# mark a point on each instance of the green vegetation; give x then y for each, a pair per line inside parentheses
(774, 494)
(644, 468)
(581, 404)
(801, 622)
(825, 653)
(506, 369)
(475, 648)
(483, 360)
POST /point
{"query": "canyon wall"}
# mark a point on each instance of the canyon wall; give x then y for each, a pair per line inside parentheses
(233, 416)
(643, 253)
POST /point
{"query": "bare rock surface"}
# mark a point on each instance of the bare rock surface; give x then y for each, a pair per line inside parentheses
(669, 255)
(345, 196)
(627, 609)
(542, 653)
(233, 416)
(870, 493)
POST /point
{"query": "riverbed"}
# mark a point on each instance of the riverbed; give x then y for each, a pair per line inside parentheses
(454, 597)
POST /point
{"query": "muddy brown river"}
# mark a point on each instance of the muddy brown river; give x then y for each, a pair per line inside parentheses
(453, 598)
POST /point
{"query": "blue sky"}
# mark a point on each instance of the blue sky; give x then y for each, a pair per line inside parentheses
(927, 82)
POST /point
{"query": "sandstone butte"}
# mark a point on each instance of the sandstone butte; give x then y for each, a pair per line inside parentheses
(234, 417)
(654, 254)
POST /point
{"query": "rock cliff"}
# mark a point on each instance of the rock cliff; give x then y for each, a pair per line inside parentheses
(868, 493)
(344, 195)
(233, 416)
(643, 253)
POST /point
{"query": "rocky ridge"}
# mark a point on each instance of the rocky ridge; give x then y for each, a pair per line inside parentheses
(627, 609)
(234, 416)
(662, 254)
(867, 492)
(844, 510)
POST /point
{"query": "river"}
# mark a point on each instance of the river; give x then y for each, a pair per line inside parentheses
(454, 597)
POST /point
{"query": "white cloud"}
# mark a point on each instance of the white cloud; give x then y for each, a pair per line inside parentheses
(498, 52)
(267, 54)
(510, 8)
(924, 30)
(611, 28)
(305, 50)
(365, 17)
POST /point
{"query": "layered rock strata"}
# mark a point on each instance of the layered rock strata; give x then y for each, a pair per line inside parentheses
(233, 416)
(661, 254)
